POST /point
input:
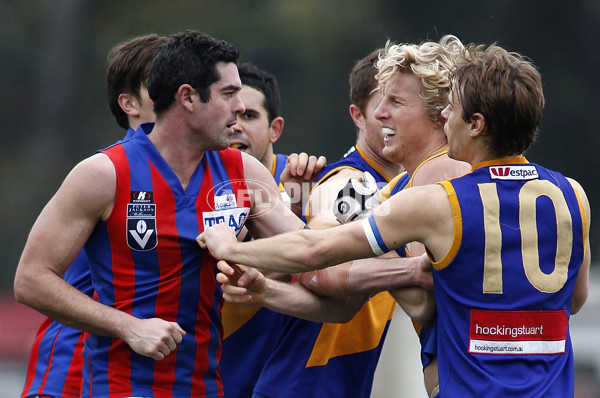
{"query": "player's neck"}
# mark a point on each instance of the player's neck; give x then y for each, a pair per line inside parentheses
(417, 157)
(267, 159)
(180, 149)
(390, 169)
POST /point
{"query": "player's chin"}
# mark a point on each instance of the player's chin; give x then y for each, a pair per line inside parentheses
(388, 151)
(220, 144)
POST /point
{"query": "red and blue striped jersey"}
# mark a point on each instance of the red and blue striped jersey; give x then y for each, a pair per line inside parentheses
(145, 261)
(314, 359)
(504, 289)
(56, 361)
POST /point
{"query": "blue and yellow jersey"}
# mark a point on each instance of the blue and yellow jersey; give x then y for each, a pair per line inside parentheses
(249, 333)
(279, 161)
(505, 287)
(353, 159)
(313, 359)
(427, 335)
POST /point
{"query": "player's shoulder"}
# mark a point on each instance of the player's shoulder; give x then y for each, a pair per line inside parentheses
(580, 194)
(97, 168)
(576, 185)
(343, 174)
(90, 186)
(439, 169)
(334, 182)
(249, 160)
(253, 167)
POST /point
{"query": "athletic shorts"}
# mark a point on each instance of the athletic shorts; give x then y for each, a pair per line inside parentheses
(428, 339)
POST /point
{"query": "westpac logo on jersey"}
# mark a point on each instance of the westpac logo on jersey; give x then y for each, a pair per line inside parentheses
(234, 218)
(512, 172)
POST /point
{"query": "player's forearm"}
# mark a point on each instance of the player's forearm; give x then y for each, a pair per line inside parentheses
(289, 253)
(374, 275)
(581, 291)
(298, 301)
(52, 296)
(418, 303)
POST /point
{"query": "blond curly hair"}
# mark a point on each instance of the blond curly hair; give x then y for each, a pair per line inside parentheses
(430, 61)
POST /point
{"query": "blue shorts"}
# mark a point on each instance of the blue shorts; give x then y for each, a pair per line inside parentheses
(428, 339)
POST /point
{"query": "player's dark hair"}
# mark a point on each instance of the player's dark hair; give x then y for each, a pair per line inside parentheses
(190, 58)
(264, 82)
(362, 80)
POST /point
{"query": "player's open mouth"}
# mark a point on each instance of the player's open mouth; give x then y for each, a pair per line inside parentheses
(238, 145)
(388, 132)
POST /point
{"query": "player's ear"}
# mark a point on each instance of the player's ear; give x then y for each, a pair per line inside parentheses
(129, 104)
(357, 116)
(276, 129)
(185, 95)
(478, 125)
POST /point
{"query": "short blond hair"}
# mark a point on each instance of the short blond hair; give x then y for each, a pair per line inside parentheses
(430, 61)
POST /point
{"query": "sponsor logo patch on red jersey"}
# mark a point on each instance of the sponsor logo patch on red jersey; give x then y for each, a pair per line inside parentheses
(512, 172)
(234, 218)
(518, 332)
(224, 202)
(141, 197)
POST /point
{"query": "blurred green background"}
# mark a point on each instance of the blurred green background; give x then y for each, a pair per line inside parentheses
(53, 90)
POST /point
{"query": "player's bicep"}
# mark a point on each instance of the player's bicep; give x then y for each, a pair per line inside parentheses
(580, 294)
(69, 218)
(581, 291)
(421, 214)
(350, 241)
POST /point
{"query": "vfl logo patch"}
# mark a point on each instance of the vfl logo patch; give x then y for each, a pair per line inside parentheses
(234, 218)
(141, 233)
(513, 172)
(141, 221)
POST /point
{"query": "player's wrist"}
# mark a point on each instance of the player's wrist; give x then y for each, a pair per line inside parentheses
(268, 294)
(423, 274)
(230, 251)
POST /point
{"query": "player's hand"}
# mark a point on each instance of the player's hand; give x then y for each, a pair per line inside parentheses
(241, 285)
(356, 198)
(217, 239)
(302, 167)
(155, 337)
(301, 171)
(424, 274)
